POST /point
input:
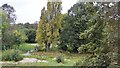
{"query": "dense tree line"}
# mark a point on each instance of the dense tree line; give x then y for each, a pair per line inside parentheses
(29, 31)
(87, 28)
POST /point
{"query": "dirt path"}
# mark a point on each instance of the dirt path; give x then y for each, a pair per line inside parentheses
(25, 60)
(28, 60)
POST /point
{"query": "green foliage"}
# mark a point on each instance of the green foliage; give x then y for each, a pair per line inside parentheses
(20, 37)
(78, 26)
(88, 28)
(7, 40)
(98, 60)
(82, 49)
(54, 48)
(50, 23)
(8, 17)
(11, 55)
(31, 34)
(28, 30)
(4, 27)
(29, 26)
(88, 48)
(60, 59)
(6, 34)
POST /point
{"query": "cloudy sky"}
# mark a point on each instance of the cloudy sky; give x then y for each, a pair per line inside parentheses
(30, 10)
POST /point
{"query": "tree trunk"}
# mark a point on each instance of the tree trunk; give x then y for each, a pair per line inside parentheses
(47, 46)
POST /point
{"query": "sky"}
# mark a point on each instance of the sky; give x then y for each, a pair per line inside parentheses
(30, 10)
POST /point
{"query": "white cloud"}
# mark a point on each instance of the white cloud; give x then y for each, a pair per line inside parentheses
(30, 10)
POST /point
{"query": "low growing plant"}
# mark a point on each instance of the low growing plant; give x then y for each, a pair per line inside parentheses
(60, 59)
(11, 55)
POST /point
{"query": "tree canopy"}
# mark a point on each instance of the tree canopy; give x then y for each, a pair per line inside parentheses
(49, 25)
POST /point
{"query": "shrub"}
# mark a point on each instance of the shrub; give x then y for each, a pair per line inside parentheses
(87, 48)
(82, 49)
(11, 55)
(7, 36)
(98, 60)
(60, 59)
(70, 49)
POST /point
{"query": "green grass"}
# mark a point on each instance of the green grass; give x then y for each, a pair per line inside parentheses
(26, 47)
(69, 59)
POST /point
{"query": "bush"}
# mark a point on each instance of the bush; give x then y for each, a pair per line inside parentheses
(7, 40)
(60, 59)
(88, 48)
(82, 49)
(98, 60)
(11, 55)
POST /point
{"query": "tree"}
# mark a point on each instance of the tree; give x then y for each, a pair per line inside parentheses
(29, 30)
(9, 10)
(49, 25)
(31, 34)
(7, 29)
(104, 34)
(19, 36)
(80, 17)
(7, 36)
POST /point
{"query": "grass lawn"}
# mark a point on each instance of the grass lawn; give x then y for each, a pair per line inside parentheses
(69, 59)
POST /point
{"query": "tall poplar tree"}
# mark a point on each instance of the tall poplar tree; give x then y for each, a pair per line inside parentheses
(47, 33)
